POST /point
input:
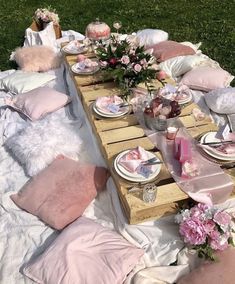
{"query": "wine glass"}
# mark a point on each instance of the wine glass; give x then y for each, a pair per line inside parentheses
(117, 25)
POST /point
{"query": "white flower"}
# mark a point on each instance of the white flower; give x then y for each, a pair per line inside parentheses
(178, 218)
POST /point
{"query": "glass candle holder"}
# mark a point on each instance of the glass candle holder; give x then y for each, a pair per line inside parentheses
(149, 193)
(171, 132)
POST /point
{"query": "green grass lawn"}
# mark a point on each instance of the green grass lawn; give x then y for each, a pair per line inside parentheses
(211, 22)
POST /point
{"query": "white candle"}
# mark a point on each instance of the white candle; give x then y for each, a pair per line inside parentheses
(171, 132)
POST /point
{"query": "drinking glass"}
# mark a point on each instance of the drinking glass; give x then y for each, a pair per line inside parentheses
(117, 25)
(149, 192)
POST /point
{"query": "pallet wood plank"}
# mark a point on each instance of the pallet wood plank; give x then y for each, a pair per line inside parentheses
(121, 134)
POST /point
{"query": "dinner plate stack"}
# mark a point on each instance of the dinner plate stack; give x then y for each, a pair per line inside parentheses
(101, 112)
(73, 49)
(86, 71)
(212, 150)
(136, 177)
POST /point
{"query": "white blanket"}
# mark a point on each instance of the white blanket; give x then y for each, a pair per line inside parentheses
(23, 236)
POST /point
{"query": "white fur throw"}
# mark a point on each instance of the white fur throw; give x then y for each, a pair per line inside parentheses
(37, 145)
(37, 58)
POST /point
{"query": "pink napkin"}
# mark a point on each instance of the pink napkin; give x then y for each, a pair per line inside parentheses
(228, 149)
(74, 46)
(109, 104)
(87, 63)
(133, 159)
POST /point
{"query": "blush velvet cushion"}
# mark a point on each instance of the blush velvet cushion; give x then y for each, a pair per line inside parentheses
(169, 49)
(218, 272)
(37, 58)
(39, 102)
(85, 252)
(206, 78)
(61, 192)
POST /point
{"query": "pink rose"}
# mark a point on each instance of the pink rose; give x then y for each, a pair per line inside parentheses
(214, 235)
(125, 59)
(223, 219)
(81, 57)
(137, 68)
(103, 63)
(219, 244)
(209, 226)
(193, 232)
(161, 75)
(144, 63)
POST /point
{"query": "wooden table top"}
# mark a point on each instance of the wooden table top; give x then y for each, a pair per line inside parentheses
(119, 134)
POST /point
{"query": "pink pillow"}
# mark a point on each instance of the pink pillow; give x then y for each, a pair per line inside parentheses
(168, 49)
(37, 58)
(207, 78)
(219, 272)
(61, 192)
(85, 252)
(39, 102)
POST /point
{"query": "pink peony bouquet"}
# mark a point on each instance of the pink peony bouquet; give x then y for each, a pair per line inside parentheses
(128, 63)
(46, 15)
(205, 229)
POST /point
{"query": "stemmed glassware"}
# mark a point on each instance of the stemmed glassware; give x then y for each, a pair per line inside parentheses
(117, 25)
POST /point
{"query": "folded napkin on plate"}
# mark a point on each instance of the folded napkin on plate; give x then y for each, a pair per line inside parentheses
(109, 104)
(228, 149)
(87, 63)
(170, 92)
(74, 45)
(133, 160)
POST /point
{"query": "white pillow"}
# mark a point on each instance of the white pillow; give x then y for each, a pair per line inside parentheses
(45, 37)
(221, 100)
(150, 37)
(179, 65)
(195, 46)
(21, 82)
(38, 144)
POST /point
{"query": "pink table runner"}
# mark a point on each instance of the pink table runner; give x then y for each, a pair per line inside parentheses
(210, 186)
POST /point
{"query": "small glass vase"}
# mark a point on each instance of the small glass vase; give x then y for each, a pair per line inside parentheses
(127, 95)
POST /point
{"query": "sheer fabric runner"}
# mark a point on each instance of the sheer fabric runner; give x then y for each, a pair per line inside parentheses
(210, 186)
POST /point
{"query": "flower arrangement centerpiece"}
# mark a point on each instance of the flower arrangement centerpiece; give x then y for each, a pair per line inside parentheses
(46, 15)
(127, 63)
(205, 229)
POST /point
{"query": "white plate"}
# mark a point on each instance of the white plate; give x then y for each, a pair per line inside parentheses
(185, 101)
(210, 137)
(123, 111)
(68, 50)
(180, 102)
(135, 177)
(86, 71)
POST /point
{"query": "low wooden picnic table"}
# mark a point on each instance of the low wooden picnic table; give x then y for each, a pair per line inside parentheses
(115, 135)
